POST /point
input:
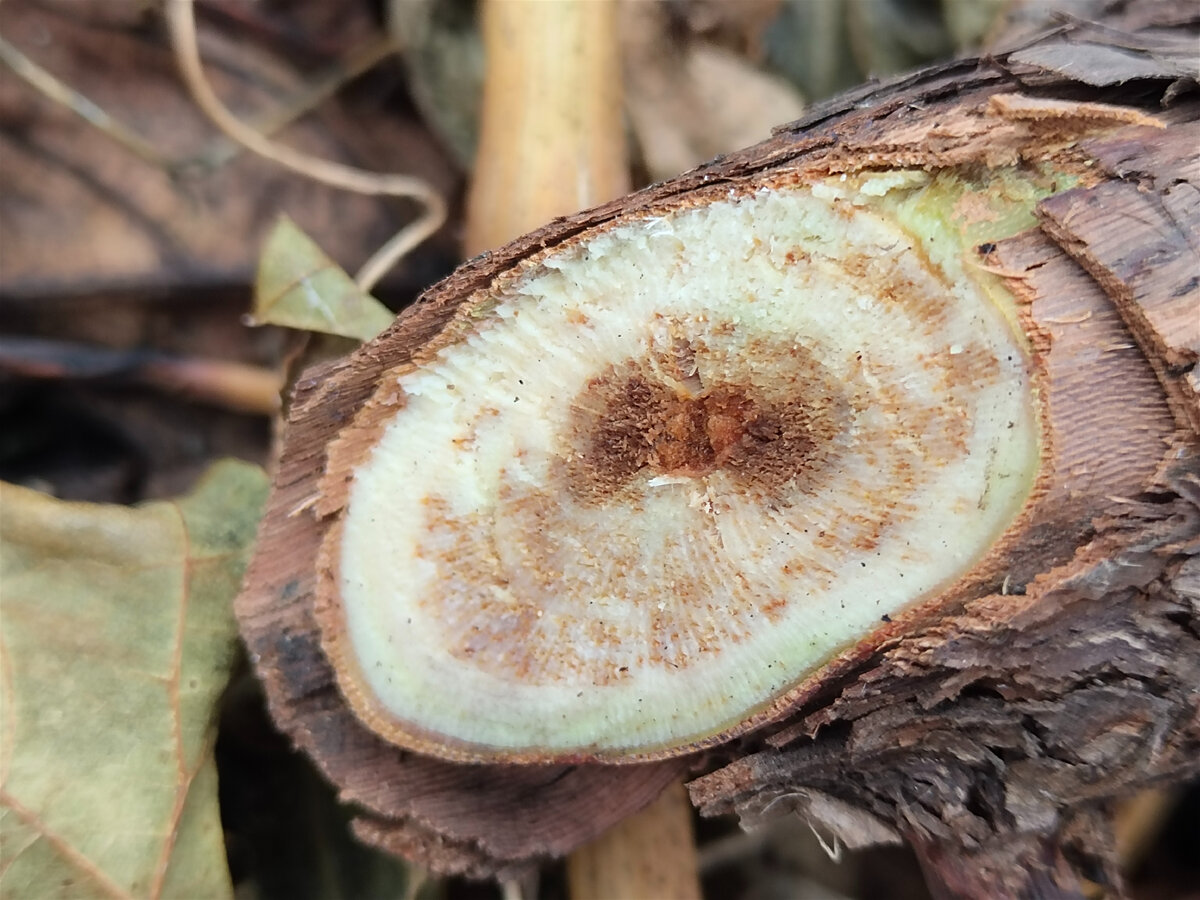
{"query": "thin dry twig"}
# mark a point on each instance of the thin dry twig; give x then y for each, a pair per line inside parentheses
(181, 23)
(218, 382)
(222, 149)
(60, 92)
(311, 95)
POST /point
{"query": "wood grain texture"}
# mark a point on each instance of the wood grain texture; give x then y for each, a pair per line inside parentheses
(990, 727)
(1138, 236)
(996, 728)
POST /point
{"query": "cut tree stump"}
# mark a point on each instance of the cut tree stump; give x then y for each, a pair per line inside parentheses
(991, 726)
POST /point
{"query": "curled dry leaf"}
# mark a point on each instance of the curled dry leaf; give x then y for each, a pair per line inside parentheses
(671, 469)
(299, 286)
(117, 641)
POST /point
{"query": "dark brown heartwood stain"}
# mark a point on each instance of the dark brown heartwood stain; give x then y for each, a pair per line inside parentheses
(631, 420)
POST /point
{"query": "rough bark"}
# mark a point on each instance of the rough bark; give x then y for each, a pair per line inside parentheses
(992, 727)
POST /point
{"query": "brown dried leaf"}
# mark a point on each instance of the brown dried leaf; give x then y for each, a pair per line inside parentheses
(690, 102)
(81, 213)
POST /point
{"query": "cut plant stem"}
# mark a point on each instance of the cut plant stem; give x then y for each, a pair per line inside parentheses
(826, 432)
(637, 491)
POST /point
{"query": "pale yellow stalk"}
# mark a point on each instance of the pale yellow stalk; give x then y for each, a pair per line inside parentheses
(552, 137)
(650, 856)
(552, 142)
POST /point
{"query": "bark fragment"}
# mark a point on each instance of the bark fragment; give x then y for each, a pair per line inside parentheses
(1138, 236)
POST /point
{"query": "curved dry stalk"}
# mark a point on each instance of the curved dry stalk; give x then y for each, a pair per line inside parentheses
(181, 23)
(552, 136)
(91, 112)
(311, 94)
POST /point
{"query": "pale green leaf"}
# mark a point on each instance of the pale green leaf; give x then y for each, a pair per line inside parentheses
(298, 286)
(118, 635)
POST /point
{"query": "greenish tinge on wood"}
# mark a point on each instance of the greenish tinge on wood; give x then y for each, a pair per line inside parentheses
(298, 286)
(118, 637)
(952, 212)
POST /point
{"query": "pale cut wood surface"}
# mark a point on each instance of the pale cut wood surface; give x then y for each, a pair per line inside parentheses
(1007, 722)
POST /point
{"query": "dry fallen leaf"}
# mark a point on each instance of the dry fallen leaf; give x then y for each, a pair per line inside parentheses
(117, 638)
(83, 214)
(299, 286)
(689, 100)
(442, 52)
